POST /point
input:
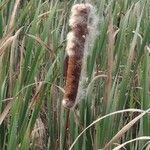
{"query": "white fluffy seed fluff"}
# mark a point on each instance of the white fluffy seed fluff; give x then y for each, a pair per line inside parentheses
(76, 15)
(70, 43)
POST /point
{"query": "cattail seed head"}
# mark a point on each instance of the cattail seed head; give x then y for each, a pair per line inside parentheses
(81, 23)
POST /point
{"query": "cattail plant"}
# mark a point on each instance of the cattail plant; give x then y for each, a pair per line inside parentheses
(83, 23)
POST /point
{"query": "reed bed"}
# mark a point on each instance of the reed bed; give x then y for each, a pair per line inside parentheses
(113, 109)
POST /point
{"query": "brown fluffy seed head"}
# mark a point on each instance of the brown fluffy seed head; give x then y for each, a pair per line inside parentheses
(80, 23)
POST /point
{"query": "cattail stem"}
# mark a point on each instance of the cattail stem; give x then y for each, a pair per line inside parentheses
(66, 129)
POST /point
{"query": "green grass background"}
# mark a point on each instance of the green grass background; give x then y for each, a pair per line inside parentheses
(32, 52)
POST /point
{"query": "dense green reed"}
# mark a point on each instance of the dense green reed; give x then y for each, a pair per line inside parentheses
(32, 53)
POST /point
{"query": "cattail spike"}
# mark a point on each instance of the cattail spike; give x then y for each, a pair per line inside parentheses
(80, 23)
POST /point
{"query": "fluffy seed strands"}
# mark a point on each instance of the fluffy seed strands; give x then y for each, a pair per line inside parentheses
(81, 22)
